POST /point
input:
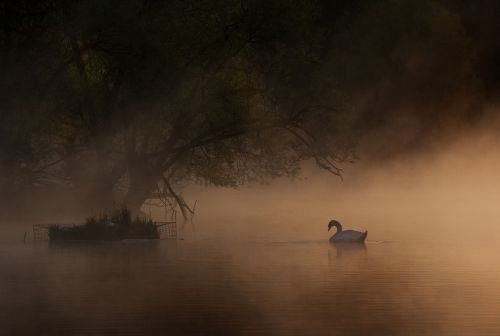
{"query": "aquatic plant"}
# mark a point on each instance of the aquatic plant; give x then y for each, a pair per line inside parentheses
(119, 225)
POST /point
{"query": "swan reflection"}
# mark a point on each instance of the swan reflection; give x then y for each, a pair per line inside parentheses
(342, 249)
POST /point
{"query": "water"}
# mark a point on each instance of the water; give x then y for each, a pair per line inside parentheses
(211, 287)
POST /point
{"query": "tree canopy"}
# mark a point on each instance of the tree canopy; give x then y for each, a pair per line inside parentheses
(123, 100)
(129, 98)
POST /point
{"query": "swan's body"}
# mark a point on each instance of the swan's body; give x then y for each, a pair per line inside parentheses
(347, 236)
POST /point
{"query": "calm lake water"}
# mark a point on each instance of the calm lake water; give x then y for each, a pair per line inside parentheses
(210, 287)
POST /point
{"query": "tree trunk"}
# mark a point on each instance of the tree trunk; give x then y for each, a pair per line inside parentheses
(140, 189)
(97, 198)
(134, 201)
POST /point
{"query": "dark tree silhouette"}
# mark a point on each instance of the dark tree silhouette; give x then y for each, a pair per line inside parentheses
(124, 100)
(140, 96)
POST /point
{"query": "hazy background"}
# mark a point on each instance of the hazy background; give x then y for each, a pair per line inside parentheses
(98, 98)
(445, 192)
(417, 82)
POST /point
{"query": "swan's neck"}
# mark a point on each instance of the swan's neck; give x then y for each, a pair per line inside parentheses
(338, 226)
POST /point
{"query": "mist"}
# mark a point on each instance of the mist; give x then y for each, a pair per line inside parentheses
(447, 190)
(174, 167)
(442, 188)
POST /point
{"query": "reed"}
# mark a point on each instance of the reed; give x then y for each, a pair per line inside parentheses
(115, 226)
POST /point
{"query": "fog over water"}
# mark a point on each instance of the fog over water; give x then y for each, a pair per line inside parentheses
(104, 104)
(256, 261)
(447, 192)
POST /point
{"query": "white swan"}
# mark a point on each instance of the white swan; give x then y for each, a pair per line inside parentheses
(347, 236)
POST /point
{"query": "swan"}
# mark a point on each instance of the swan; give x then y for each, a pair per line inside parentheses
(347, 236)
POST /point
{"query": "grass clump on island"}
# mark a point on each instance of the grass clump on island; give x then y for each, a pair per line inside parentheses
(119, 225)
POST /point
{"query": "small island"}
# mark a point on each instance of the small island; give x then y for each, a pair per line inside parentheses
(116, 226)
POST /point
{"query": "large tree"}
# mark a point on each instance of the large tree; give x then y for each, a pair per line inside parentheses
(143, 95)
(124, 100)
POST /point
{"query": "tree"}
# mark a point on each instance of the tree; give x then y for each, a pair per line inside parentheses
(141, 96)
(407, 63)
(131, 99)
(25, 139)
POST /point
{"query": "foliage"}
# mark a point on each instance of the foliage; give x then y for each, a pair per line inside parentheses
(407, 59)
(125, 100)
(116, 226)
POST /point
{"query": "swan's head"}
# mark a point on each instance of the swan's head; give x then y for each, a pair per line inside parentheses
(332, 223)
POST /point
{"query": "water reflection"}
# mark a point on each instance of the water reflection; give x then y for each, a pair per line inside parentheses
(347, 249)
(213, 287)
